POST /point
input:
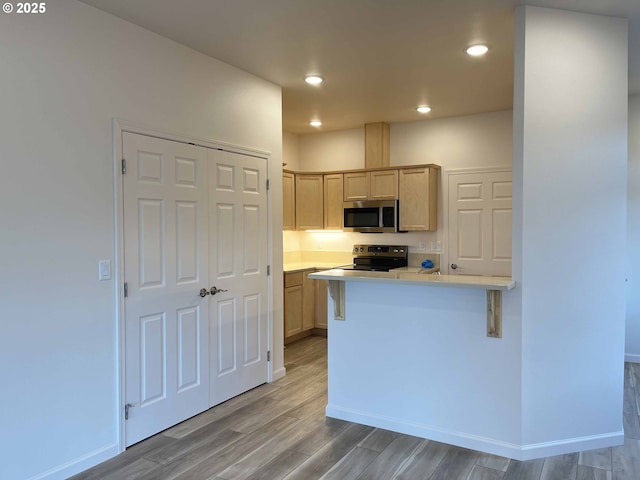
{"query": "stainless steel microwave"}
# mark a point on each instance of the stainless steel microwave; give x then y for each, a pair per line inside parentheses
(371, 216)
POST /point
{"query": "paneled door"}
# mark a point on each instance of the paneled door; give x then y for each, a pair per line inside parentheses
(480, 223)
(238, 273)
(166, 264)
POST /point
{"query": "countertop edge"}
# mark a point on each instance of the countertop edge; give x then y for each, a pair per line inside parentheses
(452, 281)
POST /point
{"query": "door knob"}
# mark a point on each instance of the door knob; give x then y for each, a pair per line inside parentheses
(204, 292)
(215, 290)
(454, 266)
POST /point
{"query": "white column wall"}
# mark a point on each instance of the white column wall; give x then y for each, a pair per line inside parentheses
(632, 338)
(65, 75)
(570, 164)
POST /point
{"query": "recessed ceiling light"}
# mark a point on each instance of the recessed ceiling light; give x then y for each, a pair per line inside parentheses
(314, 79)
(423, 109)
(477, 50)
(315, 123)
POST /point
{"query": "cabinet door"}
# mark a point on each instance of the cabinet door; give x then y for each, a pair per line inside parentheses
(384, 185)
(333, 202)
(418, 199)
(308, 302)
(288, 202)
(356, 186)
(321, 304)
(292, 310)
(309, 202)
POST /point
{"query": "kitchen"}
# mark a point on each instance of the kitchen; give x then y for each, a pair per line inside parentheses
(64, 354)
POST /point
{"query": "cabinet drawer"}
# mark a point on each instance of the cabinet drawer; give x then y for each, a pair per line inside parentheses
(292, 279)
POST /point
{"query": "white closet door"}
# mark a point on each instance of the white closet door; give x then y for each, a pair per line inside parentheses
(166, 264)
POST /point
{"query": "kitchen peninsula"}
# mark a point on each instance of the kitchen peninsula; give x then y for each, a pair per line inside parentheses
(409, 352)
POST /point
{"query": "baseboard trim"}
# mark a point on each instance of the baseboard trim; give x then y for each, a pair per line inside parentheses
(79, 464)
(475, 442)
(278, 374)
(631, 357)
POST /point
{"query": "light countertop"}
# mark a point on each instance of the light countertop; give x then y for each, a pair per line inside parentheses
(411, 276)
(299, 266)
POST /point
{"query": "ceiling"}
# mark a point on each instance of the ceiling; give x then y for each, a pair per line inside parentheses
(380, 58)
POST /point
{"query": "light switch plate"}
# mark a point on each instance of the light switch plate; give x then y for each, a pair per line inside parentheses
(104, 270)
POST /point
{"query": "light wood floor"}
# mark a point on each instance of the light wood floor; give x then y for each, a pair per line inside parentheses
(279, 431)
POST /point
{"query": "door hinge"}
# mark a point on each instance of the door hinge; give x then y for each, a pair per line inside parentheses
(268, 355)
(268, 270)
(126, 289)
(124, 166)
(267, 184)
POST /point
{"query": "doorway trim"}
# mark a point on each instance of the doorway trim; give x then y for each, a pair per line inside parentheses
(119, 127)
(445, 201)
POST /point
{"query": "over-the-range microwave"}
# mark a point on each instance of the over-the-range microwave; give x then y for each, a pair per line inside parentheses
(371, 216)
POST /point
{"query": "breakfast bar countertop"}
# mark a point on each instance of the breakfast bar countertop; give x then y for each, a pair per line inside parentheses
(406, 276)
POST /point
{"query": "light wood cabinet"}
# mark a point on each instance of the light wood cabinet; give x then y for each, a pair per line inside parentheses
(371, 185)
(384, 185)
(376, 145)
(418, 198)
(288, 201)
(356, 186)
(333, 201)
(292, 310)
(308, 301)
(309, 202)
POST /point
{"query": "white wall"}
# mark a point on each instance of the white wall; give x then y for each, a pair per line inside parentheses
(632, 338)
(570, 165)
(66, 75)
(291, 150)
(339, 150)
(457, 142)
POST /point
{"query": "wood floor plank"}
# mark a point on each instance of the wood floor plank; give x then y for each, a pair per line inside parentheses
(271, 449)
(529, 470)
(329, 429)
(599, 458)
(279, 466)
(589, 473)
(240, 449)
(391, 459)
(456, 464)
(129, 456)
(378, 440)
(132, 470)
(193, 457)
(314, 406)
(560, 467)
(625, 460)
(327, 456)
(479, 472)
(424, 461)
(351, 465)
(493, 461)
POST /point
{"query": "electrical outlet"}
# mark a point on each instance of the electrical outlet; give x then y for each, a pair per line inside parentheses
(438, 246)
(422, 246)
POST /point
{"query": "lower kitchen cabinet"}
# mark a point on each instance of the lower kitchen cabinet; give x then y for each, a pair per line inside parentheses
(305, 305)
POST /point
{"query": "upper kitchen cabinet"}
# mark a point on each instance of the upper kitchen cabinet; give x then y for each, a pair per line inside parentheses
(418, 198)
(384, 185)
(333, 201)
(371, 185)
(309, 202)
(288, 201)
(356, 186)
